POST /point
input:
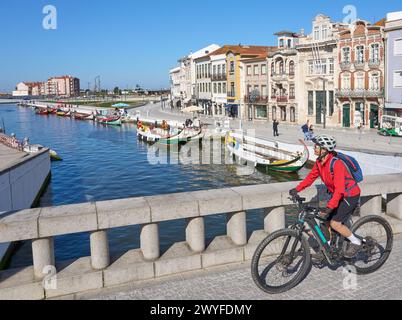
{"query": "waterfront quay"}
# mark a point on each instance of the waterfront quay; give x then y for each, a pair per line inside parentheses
(23, 178)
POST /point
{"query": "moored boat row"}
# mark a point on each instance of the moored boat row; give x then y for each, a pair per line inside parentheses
(107, 119)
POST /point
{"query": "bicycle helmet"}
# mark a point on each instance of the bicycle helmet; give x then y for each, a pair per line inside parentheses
(325, 142)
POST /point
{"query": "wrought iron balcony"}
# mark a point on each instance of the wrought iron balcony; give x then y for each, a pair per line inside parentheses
(217, 77)
(231, 94)
(282, 99)
(345, 65)
(373, 63)
(255, 99)
(279, 76)
(359, 93)
(359, 65)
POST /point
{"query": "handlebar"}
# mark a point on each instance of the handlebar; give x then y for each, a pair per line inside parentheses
(297, 199)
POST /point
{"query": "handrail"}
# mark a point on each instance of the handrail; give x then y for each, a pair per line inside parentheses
(88, 217)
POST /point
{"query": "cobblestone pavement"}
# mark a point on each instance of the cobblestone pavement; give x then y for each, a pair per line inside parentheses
(234, 282)
(350, 139)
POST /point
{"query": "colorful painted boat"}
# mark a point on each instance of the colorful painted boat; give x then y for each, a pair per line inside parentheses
(42, 111)
(112, 121)
(152, 136)
(263, 155)
(83, 116)
(62, 113)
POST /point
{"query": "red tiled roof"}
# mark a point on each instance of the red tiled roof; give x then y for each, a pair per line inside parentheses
(381, 23)
(258, 51)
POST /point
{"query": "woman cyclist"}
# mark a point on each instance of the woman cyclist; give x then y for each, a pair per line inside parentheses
(343, 188)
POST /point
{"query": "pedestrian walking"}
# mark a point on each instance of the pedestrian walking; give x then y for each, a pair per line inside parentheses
(275, 127)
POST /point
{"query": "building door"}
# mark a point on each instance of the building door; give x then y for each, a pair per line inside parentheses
(250, 113)
(346, 116)
(360, 108)
(373, 116)
(319, 107)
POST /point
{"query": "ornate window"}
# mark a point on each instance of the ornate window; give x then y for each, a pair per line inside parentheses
(375, 52)
(360, 81)
(346, 81)
(375, 81)
(360, 54)
(291, 68)
(346, 55)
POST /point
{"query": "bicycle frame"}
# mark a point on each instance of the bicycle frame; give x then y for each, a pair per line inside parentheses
(308, 215)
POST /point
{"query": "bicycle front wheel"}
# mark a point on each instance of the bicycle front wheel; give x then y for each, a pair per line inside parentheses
(377, 246)
(281, 261)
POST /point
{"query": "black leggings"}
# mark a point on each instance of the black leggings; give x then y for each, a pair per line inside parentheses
(345, 209)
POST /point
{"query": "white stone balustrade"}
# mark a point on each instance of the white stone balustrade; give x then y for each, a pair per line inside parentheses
(42, 224)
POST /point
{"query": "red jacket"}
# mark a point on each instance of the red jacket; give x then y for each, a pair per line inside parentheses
(336, 183)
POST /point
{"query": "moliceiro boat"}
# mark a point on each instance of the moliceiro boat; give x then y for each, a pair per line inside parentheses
(174, 137)
(154, 135)
(83, 116)
(260, 153)
(113, 121)
(42, 111)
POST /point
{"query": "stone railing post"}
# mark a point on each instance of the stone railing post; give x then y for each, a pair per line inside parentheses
(149, 240)
(394, 205)
(237, 228)
(43, 256)
(371, 205)
(100, 258)
(274, 219)
(195, 234)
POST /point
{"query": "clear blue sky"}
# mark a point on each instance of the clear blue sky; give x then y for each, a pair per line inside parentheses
(130, 41)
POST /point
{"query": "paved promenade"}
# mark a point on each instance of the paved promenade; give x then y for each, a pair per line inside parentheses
(9, 155)
(367, 141)
(234, 282)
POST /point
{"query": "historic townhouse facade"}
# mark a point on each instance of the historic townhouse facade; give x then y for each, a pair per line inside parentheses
(393, 96)
(317, 55)
(360, 93)
(256, 86)
(188, 81)
(203, 86)
(283, 64)
(175, 93)
(219, 84)
(235, 75)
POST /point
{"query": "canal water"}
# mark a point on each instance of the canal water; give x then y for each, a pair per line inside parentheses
(105, 163)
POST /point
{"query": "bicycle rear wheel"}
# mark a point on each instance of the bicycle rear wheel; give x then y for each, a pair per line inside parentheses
(281, 261)
(377, 245)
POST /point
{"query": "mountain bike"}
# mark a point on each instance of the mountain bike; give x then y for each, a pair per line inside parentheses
(283, 259)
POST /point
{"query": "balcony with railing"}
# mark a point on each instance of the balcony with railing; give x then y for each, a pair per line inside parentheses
(345, 65)
(219, 76)
(374, 63)
(360, 64)
(279, 76)
(231, 94)
(255, 99)
(282, 99)
(359, 93)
